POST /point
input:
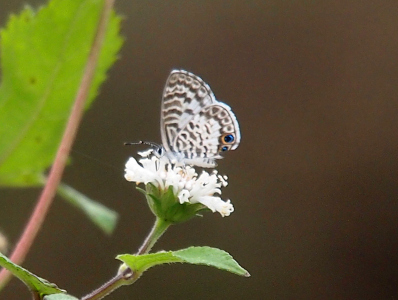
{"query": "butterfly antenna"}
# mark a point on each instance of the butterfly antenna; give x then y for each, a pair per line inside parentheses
(158, 150)
(153, 145)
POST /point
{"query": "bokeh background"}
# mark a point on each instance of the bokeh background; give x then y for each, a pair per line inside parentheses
(314, 85)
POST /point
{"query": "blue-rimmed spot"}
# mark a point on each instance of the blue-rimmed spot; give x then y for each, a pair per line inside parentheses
(229, 138)
(225, 148)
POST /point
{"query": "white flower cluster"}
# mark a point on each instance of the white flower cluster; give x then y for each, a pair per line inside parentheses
(187, 185)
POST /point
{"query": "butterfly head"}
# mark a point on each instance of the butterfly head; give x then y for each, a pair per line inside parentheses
(158, 150)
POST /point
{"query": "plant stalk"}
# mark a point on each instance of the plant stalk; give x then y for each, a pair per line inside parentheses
(126, 276)
(157, 231)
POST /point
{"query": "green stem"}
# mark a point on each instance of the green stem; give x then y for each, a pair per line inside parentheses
(126, 276)
(157, 231)
(116, 282)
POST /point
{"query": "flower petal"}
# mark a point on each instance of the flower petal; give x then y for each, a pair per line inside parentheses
(225, 208)
(186, 185)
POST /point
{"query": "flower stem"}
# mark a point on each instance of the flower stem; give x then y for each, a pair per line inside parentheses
(126, 276)
(157, 231)
(122, 278)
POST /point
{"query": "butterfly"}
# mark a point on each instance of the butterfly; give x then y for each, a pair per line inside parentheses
(194, 126)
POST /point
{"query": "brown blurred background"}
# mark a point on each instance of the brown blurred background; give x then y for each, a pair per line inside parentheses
(314, 85)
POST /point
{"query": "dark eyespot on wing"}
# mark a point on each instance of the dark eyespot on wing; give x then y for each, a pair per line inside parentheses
(229, 138)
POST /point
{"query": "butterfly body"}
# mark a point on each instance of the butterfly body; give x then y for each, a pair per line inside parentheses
(195, 127)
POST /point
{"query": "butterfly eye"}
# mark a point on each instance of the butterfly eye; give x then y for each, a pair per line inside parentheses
(229, 138)
(160, 151)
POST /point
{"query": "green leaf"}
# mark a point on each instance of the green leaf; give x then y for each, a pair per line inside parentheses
(211, 257)
(165, 205)
(141, 263)
(102, 216)
(208, 256)
(35, 283)
(44, 54)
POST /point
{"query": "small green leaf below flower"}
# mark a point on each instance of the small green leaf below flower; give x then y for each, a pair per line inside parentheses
(35, 283)
(167, 207)
(102, 216)
(208, 256)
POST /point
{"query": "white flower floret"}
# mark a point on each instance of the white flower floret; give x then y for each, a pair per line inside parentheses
(187, 186)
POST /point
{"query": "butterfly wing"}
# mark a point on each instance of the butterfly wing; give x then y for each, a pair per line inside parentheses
(213, 131)
(184, 96)
(194, 123)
